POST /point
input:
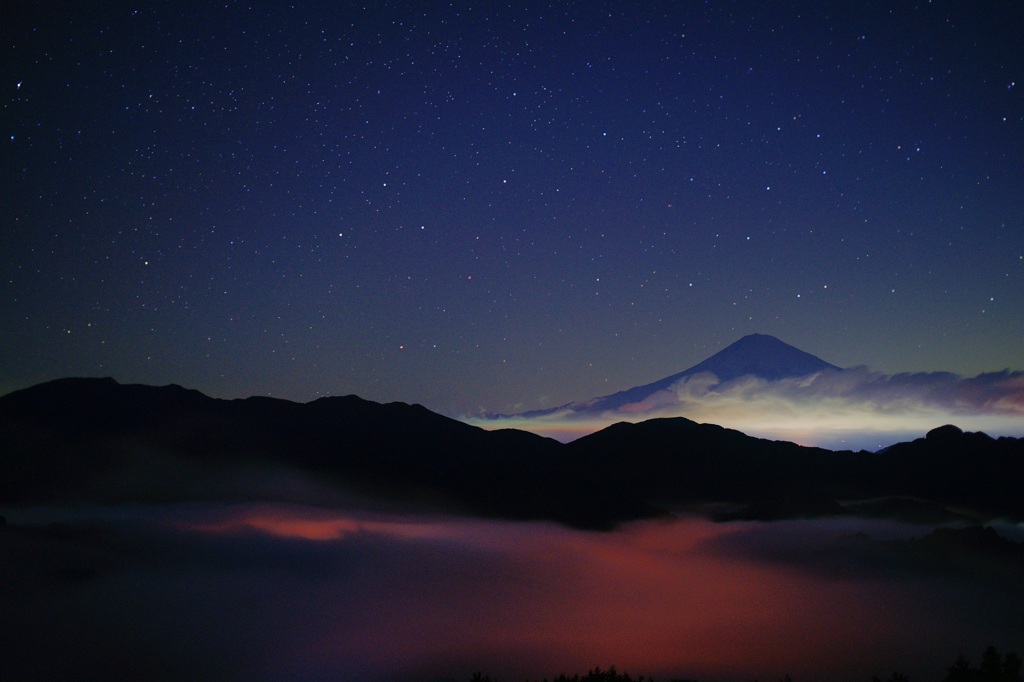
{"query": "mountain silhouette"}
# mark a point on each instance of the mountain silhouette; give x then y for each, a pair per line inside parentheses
(758, 355)
(83, 439)
(95, 440)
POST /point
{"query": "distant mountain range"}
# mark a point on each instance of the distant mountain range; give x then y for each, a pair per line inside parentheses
(94, 440)
(763, 386)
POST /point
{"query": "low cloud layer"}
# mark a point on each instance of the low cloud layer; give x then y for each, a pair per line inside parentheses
(282, 592)
(846, 409)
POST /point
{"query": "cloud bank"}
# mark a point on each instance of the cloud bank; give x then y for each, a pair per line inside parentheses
(282, 592)
(844, 409)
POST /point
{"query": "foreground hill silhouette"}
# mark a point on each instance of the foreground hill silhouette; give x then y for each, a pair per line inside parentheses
(97, 440)
(91, 439)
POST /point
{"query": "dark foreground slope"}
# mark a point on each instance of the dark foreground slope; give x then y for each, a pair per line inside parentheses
(675, 460)
(97, 440)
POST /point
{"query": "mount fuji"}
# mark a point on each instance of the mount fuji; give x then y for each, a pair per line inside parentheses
(757, 355)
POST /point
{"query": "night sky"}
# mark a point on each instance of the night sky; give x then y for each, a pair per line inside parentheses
(478, 207)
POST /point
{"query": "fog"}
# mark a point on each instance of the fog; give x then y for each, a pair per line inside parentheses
(283, 592)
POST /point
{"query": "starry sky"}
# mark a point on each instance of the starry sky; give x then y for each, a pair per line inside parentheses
(479, 207)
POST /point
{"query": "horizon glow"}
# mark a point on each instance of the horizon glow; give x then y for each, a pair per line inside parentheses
(849, 409)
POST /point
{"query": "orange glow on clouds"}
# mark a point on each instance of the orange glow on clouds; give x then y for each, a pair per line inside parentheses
(308, 524)
(526, 599)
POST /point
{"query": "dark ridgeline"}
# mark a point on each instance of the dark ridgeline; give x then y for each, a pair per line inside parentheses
(97, 440)
(68, 439)
(970, 469)
(675, 460)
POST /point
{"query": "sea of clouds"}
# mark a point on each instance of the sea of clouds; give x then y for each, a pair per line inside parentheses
(852, 408)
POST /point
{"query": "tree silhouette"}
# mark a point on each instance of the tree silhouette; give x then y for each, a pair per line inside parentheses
(595, 675)
(1011, 667)
(993, 668)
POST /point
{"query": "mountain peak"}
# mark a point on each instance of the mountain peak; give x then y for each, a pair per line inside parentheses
(763, 356)
(759, 355)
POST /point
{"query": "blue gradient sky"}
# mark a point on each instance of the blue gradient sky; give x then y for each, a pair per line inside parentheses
(478, 207)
